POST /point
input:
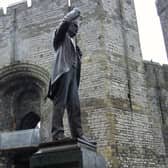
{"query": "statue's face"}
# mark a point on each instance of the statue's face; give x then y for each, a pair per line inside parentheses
(73, 29)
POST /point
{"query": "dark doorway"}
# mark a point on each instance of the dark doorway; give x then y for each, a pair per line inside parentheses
(29, 121)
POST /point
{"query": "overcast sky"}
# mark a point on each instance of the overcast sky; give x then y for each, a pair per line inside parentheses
(152, 43)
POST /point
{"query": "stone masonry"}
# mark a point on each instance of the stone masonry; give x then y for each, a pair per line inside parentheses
(162, 7)
(124, 100)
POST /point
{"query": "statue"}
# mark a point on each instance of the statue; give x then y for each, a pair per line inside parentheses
(64, 83)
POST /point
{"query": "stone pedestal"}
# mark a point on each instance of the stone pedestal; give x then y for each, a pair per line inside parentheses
(67, 154)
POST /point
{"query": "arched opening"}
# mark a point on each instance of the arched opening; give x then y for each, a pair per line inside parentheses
(29, 121)
(22, 89)
(27, 107)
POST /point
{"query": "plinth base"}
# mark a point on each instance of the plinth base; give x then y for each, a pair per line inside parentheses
(67, 153)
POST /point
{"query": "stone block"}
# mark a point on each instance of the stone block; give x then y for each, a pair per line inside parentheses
(19, 139)
(67, 153)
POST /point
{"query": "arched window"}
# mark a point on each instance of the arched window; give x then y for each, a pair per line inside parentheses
(22, 88)
(29, 121)
(27, 107)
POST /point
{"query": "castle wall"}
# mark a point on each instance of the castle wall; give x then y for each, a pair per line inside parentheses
(162, 7)
(113, 92)
(28, 34)
(157, 94)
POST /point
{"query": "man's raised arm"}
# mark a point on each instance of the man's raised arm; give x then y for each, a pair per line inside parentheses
(60, 33)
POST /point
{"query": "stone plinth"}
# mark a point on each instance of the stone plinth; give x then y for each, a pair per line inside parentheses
(19, 139)
(67, 154)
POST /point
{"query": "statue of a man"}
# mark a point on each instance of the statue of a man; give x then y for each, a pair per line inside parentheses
(63, 90)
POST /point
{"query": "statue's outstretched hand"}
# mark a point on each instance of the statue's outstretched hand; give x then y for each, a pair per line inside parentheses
(72, 15)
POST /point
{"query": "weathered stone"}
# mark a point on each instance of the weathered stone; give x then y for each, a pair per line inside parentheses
(19, 139)
(67, 153)
(162, 7)
(124, 100)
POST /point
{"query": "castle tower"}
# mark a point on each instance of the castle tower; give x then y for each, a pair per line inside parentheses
(162, 7)
(113, 91)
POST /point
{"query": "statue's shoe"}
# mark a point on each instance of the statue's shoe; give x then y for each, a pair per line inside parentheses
(59, 137)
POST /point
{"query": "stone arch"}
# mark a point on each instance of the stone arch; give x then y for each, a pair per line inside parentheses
(23, 87)
(29, 121)
(27, 104)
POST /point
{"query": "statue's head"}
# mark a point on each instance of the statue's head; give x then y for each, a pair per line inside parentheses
(73, 29)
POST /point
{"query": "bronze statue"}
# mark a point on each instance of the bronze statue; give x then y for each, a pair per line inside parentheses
(64, 83)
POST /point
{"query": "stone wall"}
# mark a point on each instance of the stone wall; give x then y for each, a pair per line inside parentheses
(115, 100)
(157, 94)
(162, 7)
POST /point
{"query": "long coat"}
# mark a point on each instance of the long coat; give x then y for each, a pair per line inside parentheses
(64, 57)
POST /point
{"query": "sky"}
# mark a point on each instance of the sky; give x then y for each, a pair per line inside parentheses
(151, 38)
